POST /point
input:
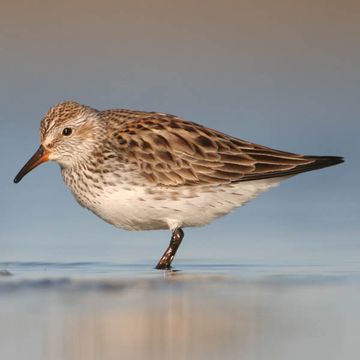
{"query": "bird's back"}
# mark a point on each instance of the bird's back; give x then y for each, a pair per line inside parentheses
(170, 151)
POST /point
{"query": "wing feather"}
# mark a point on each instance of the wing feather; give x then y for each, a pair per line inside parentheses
(170, 151)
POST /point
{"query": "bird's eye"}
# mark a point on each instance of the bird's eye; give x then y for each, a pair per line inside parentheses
(67, 132)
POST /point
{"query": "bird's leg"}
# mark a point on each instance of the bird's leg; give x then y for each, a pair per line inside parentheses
(169, 254)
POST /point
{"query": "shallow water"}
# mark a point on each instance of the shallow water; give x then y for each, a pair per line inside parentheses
(208, 311)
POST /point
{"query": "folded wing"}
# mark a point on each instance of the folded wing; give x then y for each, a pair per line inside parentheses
(170, 151)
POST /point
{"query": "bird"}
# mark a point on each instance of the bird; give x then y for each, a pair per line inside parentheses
(141, 170)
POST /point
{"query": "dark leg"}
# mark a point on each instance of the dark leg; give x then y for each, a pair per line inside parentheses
(167, 258)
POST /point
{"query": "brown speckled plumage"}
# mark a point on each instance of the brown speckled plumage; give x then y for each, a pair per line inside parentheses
(147, 170)
(170, 151)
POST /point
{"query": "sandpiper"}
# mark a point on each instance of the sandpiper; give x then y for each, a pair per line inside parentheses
(147, 170)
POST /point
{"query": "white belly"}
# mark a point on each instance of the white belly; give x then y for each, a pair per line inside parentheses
(139, 208)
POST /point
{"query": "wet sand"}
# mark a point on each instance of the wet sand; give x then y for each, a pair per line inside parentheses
(106, 311)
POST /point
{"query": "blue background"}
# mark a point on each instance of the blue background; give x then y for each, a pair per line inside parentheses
(285, 74)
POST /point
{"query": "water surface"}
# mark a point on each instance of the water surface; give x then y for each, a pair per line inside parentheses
(207, 311)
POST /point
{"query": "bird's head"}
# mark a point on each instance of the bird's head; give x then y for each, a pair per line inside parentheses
(67, 135)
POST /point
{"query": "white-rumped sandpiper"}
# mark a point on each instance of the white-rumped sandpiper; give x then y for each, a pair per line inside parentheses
(147, 170)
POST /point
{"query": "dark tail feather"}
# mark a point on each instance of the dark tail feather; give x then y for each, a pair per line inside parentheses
(322, 162)
(315, 162)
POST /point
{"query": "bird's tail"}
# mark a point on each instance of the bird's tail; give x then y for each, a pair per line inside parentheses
(320, 162)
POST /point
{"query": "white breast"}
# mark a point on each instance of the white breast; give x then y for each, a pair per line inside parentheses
(140, 208)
